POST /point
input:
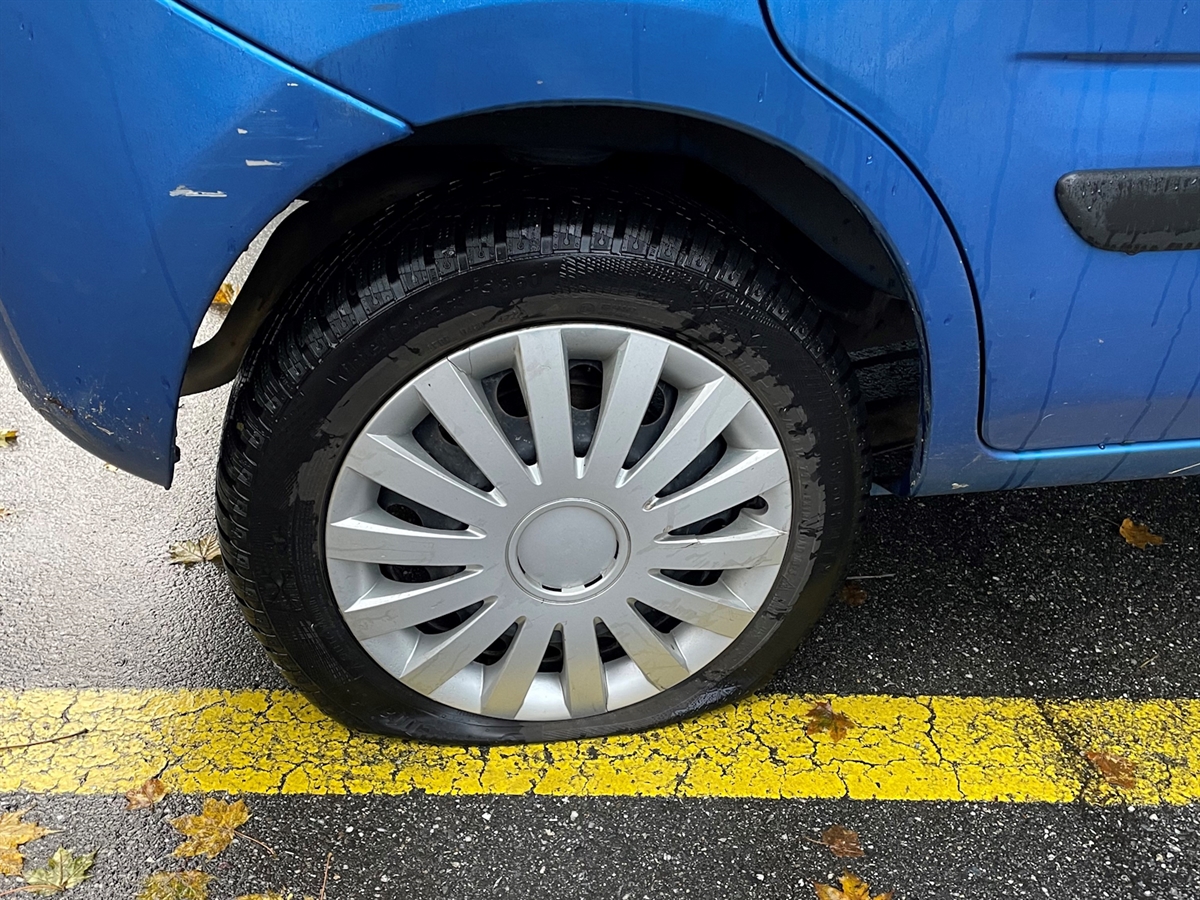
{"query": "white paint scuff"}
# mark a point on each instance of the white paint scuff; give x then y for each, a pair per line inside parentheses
(184, 191)
(242, 131)
(262, 162)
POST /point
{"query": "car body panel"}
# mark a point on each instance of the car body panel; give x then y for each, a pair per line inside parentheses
(142, 150)
(422, 62)
(993, 103)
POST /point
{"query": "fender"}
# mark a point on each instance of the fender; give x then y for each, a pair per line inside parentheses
(643, 54)
(717, 60)
(142, 149)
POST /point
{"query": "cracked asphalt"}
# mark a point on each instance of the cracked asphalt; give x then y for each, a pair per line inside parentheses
(1030, 594)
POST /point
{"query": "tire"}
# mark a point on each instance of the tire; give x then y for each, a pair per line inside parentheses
(509, 263)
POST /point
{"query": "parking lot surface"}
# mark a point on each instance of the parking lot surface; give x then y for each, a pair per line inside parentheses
(1002, 638)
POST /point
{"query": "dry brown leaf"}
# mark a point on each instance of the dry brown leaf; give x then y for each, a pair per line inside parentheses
(185, 553)
(4, 511)
(210, 549)
(213, 830)
(853, 888)
(1138, 535)
(9, 437)
(11, 862)
(189, 885)
(145, 796)
(225, 294)
(823, 720)
(14, 833)
(189, 552)
(64, 870)
(1116, 770)
(853, 594)
(842, 842)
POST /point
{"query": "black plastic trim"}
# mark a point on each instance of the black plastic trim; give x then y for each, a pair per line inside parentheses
(1133, 210)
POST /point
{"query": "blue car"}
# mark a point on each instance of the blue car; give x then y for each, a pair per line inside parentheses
(558, 394)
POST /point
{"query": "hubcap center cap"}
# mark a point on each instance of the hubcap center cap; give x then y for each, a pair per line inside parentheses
(568, 550)
(567, 547)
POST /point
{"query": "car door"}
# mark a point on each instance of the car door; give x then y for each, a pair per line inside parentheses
(993, 103)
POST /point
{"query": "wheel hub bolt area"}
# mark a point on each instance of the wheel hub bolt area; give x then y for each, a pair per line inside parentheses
(566, 547)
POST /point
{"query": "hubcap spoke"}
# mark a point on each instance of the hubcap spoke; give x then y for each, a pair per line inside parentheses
(712, 607)
(374, 536)
(402, 466)
(740, 476)
(459, 406)
(583, 681)
(543, 372)
(390, 606)
(629, 383)
(740, 546)
(506, 684)
(440, 657)
(654, 653)
(698, 420)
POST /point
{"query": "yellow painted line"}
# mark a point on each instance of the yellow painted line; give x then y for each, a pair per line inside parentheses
(905, 748)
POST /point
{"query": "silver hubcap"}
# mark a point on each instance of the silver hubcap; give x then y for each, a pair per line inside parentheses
(558, 522)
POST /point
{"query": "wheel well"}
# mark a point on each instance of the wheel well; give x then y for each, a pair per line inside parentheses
(767, 192)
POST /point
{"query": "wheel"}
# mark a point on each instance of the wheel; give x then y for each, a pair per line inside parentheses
(527, 461)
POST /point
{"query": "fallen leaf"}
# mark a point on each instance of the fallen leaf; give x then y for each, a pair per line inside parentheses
(11, 861)
(65, 870)
(225, 294)
(146, 796)
(1116, 770)
(213, 830)
(1138, 535)
(9, 437)
(14, 833)
(210, 549)
(188, 553)
(842, 842)
(853, 594)
(189, 885)
(853, 888)
(823, 720)
(5, 512)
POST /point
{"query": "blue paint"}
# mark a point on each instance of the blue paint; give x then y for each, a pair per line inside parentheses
(106, 111)
(978, 96)
(110, 109)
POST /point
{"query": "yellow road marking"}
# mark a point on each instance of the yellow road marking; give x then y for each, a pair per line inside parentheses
(905, 748)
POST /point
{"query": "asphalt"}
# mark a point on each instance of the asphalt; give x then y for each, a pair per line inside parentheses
(1026, 594)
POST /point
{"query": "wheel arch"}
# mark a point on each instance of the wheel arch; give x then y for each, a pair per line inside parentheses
(761, 185)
